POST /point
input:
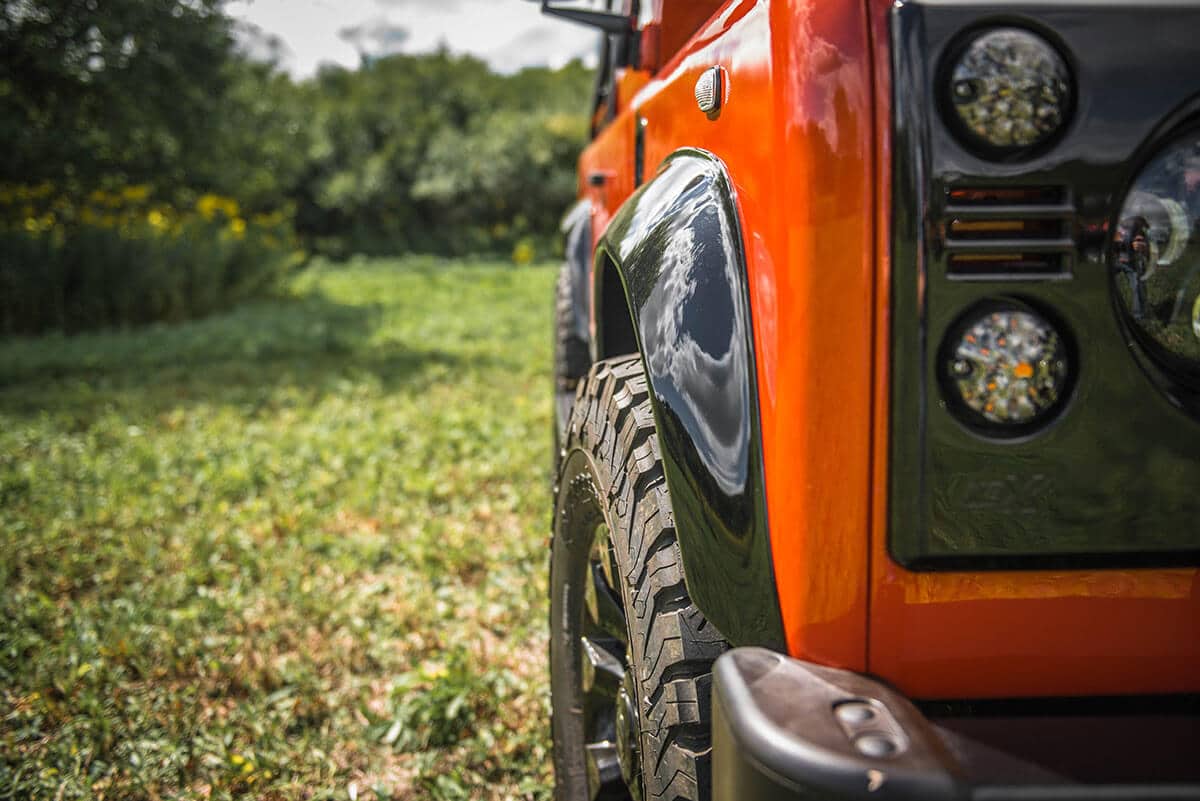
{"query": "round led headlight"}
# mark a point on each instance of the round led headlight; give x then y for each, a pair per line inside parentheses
(1010, 90)
(1005, 367)
(1156, 257)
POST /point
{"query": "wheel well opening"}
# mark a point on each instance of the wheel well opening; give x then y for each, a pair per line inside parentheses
(616, 333)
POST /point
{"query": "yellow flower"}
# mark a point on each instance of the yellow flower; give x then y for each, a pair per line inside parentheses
(238, 226)
(209, 205)
(435, 671)
(136, 193)
(102, 198)
(157, 220)
(523, 253)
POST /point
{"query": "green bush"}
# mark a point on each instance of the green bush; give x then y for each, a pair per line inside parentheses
(115, 261)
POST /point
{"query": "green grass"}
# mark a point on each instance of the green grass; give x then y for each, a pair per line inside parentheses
(293, 551)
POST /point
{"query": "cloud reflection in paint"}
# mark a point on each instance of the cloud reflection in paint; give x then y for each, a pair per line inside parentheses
(692, 325)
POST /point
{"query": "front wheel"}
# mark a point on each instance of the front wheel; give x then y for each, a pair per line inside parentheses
(630, 655)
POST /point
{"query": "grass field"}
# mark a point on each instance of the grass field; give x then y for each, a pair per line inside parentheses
(293, 551)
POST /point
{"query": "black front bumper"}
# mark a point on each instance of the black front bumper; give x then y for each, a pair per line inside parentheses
(788, 730)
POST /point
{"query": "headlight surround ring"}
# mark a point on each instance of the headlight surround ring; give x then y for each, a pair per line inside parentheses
(1006, 394)
(1154, 261)
(1007, 92)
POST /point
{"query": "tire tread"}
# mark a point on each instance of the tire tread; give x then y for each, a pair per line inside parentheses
(673, 645)
(571, 357)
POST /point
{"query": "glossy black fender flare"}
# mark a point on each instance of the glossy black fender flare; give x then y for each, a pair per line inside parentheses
(576, 229)
(676, 245)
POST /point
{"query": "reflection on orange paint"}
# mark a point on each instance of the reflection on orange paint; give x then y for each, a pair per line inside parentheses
(1150, 585)
(806, 137)
(629, 83)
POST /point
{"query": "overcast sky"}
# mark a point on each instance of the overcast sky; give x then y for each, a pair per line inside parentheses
(508, 34)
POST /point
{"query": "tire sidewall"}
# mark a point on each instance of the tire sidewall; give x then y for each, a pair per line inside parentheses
(578, 510)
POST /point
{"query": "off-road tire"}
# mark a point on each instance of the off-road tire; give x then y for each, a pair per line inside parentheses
(571, 361)
(612, 461)
(571, 357)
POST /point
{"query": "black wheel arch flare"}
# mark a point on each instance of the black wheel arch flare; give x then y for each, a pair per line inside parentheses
(676, 247)
(577, 246)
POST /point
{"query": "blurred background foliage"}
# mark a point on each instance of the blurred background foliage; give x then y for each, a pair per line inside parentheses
(294, 550)
(153, 171)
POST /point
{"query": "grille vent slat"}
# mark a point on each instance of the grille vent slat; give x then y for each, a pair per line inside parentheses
(1022, 212)
(1031, 245)
(1007, 233)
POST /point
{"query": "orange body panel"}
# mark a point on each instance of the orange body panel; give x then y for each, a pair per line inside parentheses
(675, 22)
(801, 155)
(805, 134)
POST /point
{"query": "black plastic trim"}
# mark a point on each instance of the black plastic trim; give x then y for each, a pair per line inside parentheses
(777, 736)
(677, 246)
(639, 152)
(1110, 481)
(577, 237)
(606, 21)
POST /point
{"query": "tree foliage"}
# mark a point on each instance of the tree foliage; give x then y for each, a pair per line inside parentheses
(426, 152)
(113, 91)
(435, 152)
(152, 171)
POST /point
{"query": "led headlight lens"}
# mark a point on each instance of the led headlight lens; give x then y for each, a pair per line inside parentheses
(1006, 365)
(1010, 89)
(1156, 257)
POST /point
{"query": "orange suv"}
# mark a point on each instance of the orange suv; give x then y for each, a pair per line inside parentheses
(878, 404)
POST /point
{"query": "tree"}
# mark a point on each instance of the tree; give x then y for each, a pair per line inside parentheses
(430, 152)
(114, 91)
(436, 152)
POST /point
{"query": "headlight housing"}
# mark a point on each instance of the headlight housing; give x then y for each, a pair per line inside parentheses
(1156, 258)
(1010, 91)
(1005, 368)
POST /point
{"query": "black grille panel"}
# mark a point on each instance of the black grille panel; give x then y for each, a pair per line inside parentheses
(1111, 481)
(1007, 233)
